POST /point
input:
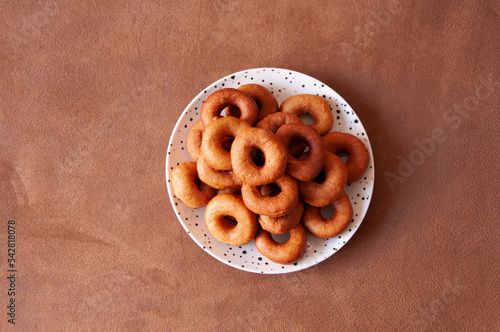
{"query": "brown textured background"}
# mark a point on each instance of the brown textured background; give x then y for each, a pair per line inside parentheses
(90, 92)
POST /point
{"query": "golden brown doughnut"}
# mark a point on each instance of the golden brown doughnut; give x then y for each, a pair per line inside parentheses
(274, 155)
(216, 178)
(220, 99)
(230, 190)
(333, 226)
(274, 121)
(187, 186)
(327, 187)
(229, 220)
(195, 135)
(281, 225)
(308, 167)
(317, 106)
(275, 205)
(358, 156)
(282, 253)
(266, 102)
(214, 136)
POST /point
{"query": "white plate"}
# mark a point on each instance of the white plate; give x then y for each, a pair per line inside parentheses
(283, 83)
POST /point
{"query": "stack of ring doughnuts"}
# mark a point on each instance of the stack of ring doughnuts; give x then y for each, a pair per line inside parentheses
(261, 171)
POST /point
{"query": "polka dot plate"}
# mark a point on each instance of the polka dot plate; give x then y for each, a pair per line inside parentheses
(283, 83)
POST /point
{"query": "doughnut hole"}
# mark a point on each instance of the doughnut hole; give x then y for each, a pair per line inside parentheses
(233, 111)
(231, 220)
(298, 147)
(227, 142)
(257, 156)
(320, 178)
(199, 183)
(270, 190)
(343, 155)
(281, 238)
(308, 118)
(327, 211)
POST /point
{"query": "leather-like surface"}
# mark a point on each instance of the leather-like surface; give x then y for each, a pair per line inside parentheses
(90, 92)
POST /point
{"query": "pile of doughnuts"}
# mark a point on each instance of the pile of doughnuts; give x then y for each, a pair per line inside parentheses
(260, 170)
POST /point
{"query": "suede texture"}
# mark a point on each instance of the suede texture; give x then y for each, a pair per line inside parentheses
(90, 92)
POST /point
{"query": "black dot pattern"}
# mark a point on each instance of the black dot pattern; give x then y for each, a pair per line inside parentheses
(283, 83)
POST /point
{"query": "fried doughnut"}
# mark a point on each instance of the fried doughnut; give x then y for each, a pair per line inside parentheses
(230, 190)
(216, 178)
(303, 169)
(273, 151)
(330, 227)
(194, 139)
(266, 102)
(317, 106)
(274, 121)
(220, 99)
(328, 186)
(212, 143)
(282, 253)
(274, 205)
(187, 186)
(229, 220)
(281, 225)
(358, 156)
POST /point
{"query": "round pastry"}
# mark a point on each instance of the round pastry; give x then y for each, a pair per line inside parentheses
(274, 121)
(330, 227)
(317, 106)
(214, 137)
(328, 185)
(273, 205)
(188, 187)
(358, 156)
(220, 99)
(216, 178)
(230, 190)
(266, 102)
(229, 220)
(195, 135)
(247, 142)
(282, 253)
(308, 166)
(281, 225)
